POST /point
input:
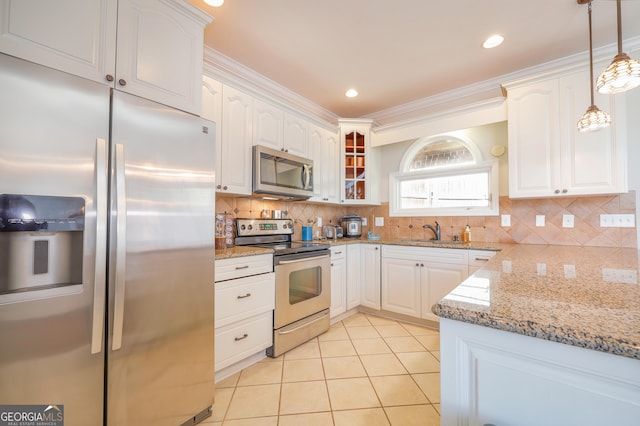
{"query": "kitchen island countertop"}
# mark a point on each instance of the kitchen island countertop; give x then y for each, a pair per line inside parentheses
(587, 297)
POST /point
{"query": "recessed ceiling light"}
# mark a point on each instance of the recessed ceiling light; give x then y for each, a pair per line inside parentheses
(351, 93)
(214, 3)
(493, 41)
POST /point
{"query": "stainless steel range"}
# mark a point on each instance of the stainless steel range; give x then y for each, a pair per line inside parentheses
(303, 281)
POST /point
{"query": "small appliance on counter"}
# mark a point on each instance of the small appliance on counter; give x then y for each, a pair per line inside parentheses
(332, 232)
(351, 225)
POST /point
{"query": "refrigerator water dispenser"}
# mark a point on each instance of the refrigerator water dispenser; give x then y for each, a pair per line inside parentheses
(40, 242)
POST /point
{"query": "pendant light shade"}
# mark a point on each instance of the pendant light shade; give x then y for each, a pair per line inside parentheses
(594, 118)
(623, 73)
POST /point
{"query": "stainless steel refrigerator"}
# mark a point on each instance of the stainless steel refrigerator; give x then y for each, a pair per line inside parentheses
(106, 252)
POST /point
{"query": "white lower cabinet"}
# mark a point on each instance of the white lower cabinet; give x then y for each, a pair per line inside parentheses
(415, 278)
(354, 296)
(338, 280)
(479, 258)
(370, 275)
(244, 303)
(491, 376)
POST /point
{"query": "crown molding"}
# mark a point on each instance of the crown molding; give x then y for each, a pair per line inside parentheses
(233, 73)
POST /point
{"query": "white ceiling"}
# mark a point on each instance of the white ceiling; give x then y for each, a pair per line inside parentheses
(398, 51)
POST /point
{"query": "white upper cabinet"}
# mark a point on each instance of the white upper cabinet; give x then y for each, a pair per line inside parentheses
(548, 156)
(296, 135)
(235, 159)
(159, 48)
(324, 148)
(280, 130)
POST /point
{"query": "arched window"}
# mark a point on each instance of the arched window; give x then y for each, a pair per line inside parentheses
(444, 175)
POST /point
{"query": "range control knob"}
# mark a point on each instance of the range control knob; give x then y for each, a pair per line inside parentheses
(250, 227)
(242, 227)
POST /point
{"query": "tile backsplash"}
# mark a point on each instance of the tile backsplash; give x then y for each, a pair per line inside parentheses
(523, 229)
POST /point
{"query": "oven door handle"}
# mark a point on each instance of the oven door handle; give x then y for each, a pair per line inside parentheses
(306, 259)
(303, 325)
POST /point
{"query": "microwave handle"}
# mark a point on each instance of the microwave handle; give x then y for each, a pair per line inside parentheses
(306, 176)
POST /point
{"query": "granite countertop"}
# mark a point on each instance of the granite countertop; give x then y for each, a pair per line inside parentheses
(239, 251)
(582, 296)
(474, 245)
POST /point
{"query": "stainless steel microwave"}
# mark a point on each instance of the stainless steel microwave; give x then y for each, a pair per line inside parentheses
(281, 175)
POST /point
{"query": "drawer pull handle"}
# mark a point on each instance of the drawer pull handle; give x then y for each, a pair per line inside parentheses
(245, 296)
(482, 259)
(338, 252)
(242, 267)
(244, 336)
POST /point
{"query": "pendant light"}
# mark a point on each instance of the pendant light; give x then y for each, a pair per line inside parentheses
(594, 118)
(623, 73)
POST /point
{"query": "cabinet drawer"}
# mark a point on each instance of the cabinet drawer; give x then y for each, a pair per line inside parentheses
(237, 267)
(480, 257)
(430, 254)
(244, 297)
(338, 252)
(240, 340)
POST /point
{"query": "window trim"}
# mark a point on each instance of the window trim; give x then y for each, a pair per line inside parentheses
(486, 166)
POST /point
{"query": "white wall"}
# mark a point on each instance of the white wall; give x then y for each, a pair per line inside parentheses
(483, 136)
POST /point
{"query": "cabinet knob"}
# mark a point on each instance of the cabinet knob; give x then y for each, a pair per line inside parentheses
(417, 264)
(422, 265)
(564, 191)
(331, 263)
(109, 77)
(376, 248)
(122, 82)
(557, 191)
(225, 187)
(219, 187)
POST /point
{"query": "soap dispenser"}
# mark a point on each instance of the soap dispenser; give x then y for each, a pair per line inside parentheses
(466, 234)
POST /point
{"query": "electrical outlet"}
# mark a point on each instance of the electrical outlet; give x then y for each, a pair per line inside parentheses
(379, 221)
(319, 222)
(505, 220)
(567, 220)
(540, 220)
(626, 276)
(617, 221)
(541, 269)
(364, 221)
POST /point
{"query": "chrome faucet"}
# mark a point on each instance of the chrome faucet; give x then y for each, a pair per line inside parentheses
(435, 230)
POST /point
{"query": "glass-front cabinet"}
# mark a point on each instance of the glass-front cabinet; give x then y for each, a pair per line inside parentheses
(357, 168)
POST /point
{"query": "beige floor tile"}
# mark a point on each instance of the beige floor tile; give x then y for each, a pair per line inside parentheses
(375, 320)
(418, 330)
(254, 401)
(306, 350)
(221, 404)
(310, 419)
(419, 362)
(304, 397)
(343, 367)
(391, 330)
(337, 348)
(436, 354)
(257, 421)
(398, 390)
(382, 365)
(413, 415)
(355, 320)
(431, 342)
(362, 332)
(229, 382)
(261, 373)
(430, 385)
(437, 407)
(364, 417)
(299, 370)
(334, 333)
(353, 393)
(371, 346)
(404, 344)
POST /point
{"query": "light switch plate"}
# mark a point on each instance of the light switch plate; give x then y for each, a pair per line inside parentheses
(567, 220)
(319, 222)
(540, 220)
(379, 221)
(364, 221)
(505, 220)
(617, 220)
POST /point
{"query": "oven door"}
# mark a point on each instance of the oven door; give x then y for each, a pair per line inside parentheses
(303, 286)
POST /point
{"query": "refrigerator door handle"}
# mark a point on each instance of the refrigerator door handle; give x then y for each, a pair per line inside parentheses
(121, 248)
(99, 283)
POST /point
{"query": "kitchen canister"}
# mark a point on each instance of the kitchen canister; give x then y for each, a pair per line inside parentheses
(307, 233)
